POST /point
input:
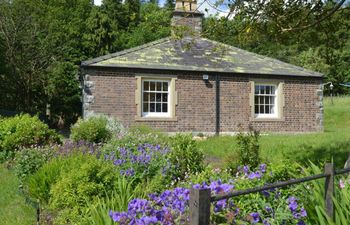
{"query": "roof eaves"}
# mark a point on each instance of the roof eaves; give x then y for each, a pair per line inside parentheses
(200, 69)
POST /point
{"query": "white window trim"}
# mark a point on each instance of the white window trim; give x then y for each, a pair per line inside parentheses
(279, 100)
(276, 108)
(158, 114)
(172, 98)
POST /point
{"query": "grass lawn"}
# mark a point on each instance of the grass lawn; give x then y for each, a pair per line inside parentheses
(333, 143)
(13, 209)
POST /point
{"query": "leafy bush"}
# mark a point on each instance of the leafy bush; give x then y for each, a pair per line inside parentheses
(249, 148)
(185, 156)
(38, 185)
(23, 131)
(119, 199)
(92, 129)
(29, 160)
(79, 185)
(97, 128)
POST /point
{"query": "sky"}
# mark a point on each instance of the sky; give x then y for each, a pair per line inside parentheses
(207, 4)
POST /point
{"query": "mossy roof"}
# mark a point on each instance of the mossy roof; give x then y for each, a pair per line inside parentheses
(197, 54)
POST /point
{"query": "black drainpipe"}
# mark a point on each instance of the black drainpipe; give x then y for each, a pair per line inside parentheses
(217, 104)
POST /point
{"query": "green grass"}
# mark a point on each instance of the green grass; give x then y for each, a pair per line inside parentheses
(13, 209)
(334, 142)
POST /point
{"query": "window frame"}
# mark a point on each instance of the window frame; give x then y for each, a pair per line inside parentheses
(172, 98)
(275, 105)
(279, 100)
(156, 114)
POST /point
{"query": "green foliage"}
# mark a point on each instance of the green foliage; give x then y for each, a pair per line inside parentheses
(23, 131)
(74, 188)
(64, 93)
(38, 185)
(117, 200)
(92, 129)
(314, 197)
(29, 160)
(249, 148)
(185, 155)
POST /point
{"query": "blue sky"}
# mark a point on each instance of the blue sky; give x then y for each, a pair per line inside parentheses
(207, 4)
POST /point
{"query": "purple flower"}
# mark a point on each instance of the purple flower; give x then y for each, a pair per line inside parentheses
(255, 216)
(303, 212)
(262, 168)
(292, 204)
(246, 169)
(265, 222)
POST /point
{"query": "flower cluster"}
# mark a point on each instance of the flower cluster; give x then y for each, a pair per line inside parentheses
(169, 207)
(70, 147)
(136, 160)
(166, 208)
(298, 213)
(253, 174)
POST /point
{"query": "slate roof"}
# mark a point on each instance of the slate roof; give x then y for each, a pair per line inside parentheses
(197, 54)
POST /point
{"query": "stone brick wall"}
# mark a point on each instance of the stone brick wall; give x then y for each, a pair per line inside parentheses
(113, 93)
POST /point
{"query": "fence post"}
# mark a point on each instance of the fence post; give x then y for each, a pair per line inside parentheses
(329, 191)
(199, 206)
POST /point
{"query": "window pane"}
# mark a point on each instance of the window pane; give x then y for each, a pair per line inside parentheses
(272, 109)
(145, 97)
(145, 107)
(256, 99)
(158, 97)
(165, 107)
(273, 90)
(257, 88)
(262, 89)
(261, 109)
(272, 100)
(152, 97)
(165, 86)
(256, 109)
(158, 107)
(262, 100)
(152, 107)
(268, 89)
(159, 86)
(267, 100)
(146, 86)
(165, 97)
(267, 109)
(153, 86)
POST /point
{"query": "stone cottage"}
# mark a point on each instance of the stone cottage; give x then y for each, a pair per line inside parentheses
(192, 84)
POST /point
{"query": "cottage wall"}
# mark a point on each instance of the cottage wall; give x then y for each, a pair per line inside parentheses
(113, 93)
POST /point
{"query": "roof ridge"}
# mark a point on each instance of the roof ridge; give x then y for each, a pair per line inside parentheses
(124, 52)
(265, 57)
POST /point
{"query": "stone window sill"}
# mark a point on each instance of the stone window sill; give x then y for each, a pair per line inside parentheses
(171, 119)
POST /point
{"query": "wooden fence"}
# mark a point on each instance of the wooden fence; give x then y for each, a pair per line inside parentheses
(200, 199)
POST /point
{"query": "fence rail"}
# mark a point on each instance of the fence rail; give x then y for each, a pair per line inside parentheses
(200, 199)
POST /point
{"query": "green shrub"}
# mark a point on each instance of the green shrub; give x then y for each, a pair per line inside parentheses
(118, 200)
(29, 160)
(81, 184)
(249, 148)
(92, 129)
(185, 155)
(21, 132)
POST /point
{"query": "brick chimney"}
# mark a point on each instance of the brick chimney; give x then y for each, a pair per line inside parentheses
(186, 15)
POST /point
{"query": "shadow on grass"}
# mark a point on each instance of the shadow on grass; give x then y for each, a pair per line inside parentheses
(338, 152)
